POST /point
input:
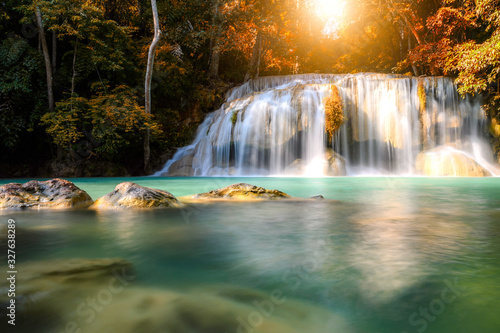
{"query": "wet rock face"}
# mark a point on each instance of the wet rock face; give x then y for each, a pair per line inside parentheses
(182, 167)
(54, 193)
(332, 165)
(446, 161)
(336, 164)
(243, 191)
(131, 195)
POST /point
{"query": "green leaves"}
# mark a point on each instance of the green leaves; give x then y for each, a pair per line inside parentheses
(114, 121)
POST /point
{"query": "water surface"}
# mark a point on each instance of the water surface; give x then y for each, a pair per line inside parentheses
(388, 255)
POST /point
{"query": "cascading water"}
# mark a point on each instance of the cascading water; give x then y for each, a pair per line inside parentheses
(392, 125)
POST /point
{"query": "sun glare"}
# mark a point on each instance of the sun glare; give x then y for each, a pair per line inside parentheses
(330, 9)
(331, 12)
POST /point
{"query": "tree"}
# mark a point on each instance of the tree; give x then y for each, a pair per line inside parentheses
(478, 63)
(149, 77)
(46, 56)
(213, 71)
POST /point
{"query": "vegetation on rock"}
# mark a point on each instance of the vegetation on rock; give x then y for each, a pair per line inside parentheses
(234, 117)
(334, 112)
(422, 97)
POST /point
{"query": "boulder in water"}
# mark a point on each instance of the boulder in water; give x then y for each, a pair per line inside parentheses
(447, 161)
(54, 193)
(131, 195)
(242, 191)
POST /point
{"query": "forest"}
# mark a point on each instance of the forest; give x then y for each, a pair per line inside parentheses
(73, 72)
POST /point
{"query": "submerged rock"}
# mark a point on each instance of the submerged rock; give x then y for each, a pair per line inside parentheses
(57, 271)
(52, 293)
(131, 195)
(222, 309)
(447, 161)
(48, 291)
(242, 191)
(54, 193)
(60, 275)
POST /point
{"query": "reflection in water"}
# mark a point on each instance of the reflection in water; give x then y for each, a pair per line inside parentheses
(363, 264)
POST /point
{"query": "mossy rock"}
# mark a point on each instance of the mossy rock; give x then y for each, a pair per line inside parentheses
(242, 191)
(131, 195)
(54, 193)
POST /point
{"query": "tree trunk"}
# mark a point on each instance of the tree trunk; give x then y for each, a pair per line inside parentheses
(54, 51)
(253, 70)
(407, 22)
(74, 73)
(149, 76)
(415, 69)
(213, 70)
(48, 66)
(412, 28)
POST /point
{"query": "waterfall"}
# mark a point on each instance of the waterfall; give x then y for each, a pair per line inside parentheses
(393, 124)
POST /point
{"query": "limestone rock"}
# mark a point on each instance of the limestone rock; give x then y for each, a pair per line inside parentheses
(336, 164)
(182, 167)
(54, 193)
(242, 191)
(332, 165)
(297, 167)
(130, 195)
(447, 161)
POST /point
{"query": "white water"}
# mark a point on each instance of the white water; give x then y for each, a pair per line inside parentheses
(281, 119)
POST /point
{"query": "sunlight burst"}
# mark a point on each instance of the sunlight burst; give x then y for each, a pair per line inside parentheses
(330, 9)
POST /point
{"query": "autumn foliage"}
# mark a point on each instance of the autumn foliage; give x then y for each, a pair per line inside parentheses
(334, 112)
(98, 52)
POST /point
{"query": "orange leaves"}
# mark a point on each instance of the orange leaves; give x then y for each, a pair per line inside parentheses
(449, 22)
(334, 113)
